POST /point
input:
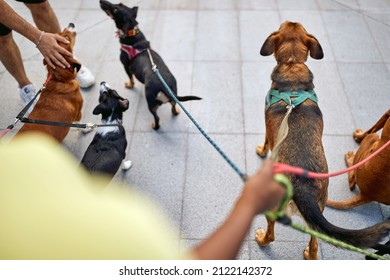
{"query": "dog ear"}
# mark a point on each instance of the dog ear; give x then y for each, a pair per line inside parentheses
(315, 48)
(135, 11)
(99, 109)
(268, 47)
(76, 65)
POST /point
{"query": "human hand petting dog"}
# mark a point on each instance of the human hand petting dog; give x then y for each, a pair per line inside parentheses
(52, 51)
(261, 193)
(47, 43)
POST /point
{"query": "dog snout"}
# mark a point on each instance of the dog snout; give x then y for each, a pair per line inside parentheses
(71, 27)
(104, 87)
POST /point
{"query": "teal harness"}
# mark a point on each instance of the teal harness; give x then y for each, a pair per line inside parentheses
(300, 96)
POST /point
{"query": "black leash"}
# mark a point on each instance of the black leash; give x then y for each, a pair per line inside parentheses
(20, 117)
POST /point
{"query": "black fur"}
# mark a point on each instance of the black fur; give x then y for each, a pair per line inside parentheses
(108, 149)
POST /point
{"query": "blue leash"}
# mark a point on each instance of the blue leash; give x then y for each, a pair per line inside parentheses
(243, 176)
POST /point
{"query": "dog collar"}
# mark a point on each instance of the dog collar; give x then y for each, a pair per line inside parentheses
(299, 96)
(133, 32)
(130, 50)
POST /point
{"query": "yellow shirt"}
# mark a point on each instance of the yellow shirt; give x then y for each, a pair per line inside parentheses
(52, 209)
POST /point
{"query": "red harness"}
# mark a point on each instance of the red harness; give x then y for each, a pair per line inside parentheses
(130, 50)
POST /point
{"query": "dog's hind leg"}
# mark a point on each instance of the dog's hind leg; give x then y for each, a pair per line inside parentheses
(311, 251)
(175, 110)
(156, 123)
(355, 201)
(264, 238)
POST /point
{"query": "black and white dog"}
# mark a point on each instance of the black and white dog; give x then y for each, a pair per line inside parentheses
(108, 147)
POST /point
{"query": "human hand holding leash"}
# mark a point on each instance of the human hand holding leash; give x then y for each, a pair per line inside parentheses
(261, 193)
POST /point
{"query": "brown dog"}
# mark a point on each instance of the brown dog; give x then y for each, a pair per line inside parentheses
(292, 83)
(373, 178)
(61, 100)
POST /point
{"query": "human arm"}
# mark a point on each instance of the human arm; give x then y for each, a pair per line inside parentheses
(48, 45)
(261, 192)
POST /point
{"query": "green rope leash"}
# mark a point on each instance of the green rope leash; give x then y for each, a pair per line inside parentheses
(281, 217)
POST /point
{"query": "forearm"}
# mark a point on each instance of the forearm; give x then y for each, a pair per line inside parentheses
(226, 241)
(15, 22)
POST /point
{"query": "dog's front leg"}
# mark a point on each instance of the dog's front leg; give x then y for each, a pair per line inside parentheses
(263, 149)
(126, 64)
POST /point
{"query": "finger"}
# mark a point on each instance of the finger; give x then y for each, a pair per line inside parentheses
(62, 61)
(57, 62)
(65, 52)
(48, 61)
(61, 39)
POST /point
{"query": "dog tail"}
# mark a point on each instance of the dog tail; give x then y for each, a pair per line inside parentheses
(188, 97)
(307, 204)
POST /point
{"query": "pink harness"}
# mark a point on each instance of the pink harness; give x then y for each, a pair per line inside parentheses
(130, 50)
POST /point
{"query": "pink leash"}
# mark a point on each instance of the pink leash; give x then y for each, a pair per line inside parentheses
(284, 168)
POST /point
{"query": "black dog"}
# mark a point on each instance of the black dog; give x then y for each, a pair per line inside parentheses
(135, 58)
(108, 147)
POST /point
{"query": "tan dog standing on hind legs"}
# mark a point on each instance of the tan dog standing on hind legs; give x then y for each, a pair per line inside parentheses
(292, 84)
(372, 178)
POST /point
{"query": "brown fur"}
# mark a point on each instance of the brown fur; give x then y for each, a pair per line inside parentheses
(291, 45)
(61, 100)
(373, 178)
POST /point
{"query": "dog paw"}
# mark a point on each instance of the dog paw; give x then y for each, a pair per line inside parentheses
(175, 111)
(260, 237)
(307, 256)
(261, 151)
(348, 158)
(358, 135)
(129, 85)
(155, 126)
(126, 165)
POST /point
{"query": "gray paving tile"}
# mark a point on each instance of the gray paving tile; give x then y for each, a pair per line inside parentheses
(255, 27)
(218, 83)
(256, 84)
(378, 30)
(351, 39)
(216, 5)
(367, 87)
(174, 37)
(257, 4)
(297, 5)
(164, 155)
(211, 185)
(217, 36)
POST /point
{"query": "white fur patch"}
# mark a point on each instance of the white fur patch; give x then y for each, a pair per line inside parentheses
(103, 130)
(126, 164)
(162, 97)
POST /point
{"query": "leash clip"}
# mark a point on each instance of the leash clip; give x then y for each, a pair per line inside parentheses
(290, 106)
(90, 125)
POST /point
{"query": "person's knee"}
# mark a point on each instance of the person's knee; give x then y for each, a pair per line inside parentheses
(5, 40)
(39, 8)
